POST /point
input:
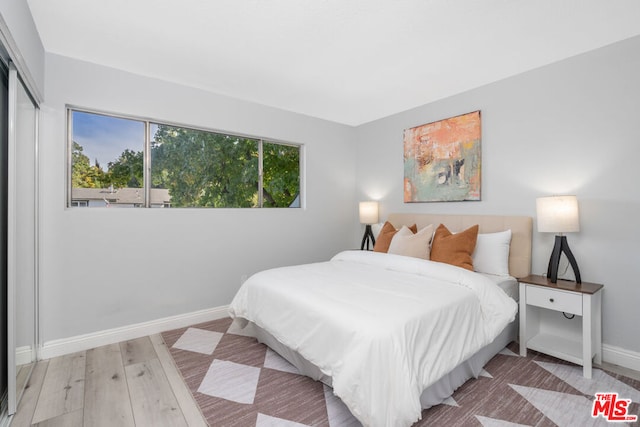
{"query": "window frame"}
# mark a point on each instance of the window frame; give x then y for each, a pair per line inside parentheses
(148, 122)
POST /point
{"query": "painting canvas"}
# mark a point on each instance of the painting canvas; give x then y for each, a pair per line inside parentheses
(442, 160)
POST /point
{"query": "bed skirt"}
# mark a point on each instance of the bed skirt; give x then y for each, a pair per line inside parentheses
(432, 395)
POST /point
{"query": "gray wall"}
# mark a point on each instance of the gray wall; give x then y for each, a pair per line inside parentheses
(106, 268)
(568, 128)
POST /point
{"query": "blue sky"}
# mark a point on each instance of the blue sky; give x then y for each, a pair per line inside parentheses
(105, 138)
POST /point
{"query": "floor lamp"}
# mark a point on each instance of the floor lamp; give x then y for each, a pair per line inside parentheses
(559, 214)
(368, 216)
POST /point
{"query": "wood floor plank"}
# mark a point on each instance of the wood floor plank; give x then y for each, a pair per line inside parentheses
(70, 419)
(23, 376)
(27, 405)
(152, 399)
(137, 351)
(106, 396)
(63, 387)
(190, 409)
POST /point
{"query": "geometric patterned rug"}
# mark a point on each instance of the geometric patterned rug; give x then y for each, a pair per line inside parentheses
(237, 381)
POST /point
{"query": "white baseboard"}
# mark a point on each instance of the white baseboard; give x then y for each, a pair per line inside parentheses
(70, 345)
(621, 357)
(24, 355)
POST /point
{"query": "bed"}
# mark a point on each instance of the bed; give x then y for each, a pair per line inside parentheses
(391, 334)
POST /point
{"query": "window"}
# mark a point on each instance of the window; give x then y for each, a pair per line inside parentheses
(106, 160)
(280, 175)
(187, 167)
(204, 169)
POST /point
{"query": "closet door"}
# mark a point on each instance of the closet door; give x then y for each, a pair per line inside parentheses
(21, 237)
(4, 141)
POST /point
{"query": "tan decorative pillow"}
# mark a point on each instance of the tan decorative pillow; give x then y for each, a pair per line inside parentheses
(412, 244)
(455, 249)
(386, 234)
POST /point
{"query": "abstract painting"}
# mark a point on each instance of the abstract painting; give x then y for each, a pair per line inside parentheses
(442, 160)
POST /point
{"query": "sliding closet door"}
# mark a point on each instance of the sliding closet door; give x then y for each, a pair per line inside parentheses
(25, 188)
(4, 140)
(21, 236)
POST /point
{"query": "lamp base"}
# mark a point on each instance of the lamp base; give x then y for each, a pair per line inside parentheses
(560, 246)
(368, 235)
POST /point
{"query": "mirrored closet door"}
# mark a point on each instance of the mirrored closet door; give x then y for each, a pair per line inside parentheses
(21, 242)
(4, 143)
(18, 234)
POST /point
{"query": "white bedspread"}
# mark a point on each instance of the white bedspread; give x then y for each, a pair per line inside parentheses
(384, 327)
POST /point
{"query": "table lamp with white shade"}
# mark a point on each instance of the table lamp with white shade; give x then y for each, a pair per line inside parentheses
(559, 214)
(368, 216)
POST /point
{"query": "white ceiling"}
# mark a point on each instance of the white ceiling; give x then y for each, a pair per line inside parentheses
(348, 61)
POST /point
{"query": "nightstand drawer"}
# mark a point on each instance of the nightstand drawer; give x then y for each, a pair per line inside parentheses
(569, 302)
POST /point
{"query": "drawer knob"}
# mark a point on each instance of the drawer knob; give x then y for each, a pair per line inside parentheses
(550, 299)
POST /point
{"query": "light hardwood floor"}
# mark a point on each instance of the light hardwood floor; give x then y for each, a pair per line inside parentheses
(133, 383)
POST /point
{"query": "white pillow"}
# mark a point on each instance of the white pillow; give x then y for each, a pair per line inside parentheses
(491, 255)
(406, 243)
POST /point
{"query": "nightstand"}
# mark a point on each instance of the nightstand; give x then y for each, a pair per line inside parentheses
(544, 324)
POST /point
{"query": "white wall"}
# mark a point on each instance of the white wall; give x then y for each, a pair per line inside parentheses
(106, 268)
(22, 30)
(568, 128)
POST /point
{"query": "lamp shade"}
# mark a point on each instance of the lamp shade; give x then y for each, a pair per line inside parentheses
(368, 212)
(557, 214)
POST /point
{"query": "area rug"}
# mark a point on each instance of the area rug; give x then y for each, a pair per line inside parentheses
(238, 382)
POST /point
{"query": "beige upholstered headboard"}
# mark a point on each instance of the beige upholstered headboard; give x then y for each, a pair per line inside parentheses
(520, 226)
